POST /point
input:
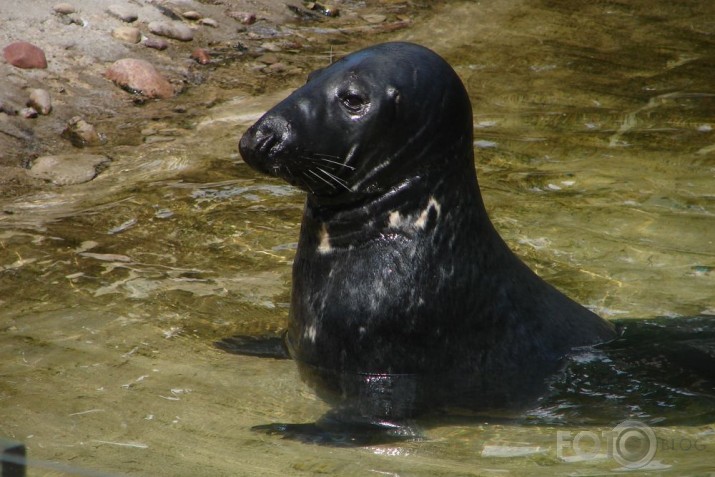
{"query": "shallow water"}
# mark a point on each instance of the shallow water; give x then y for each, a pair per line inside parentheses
(596, 157)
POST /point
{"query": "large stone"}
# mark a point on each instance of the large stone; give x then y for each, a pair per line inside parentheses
(124, 13)
(139, 76)
(64, 8)
(68, 169)
(192, 15)
(175, 30)
(81, 133)
(127, 34)
(156, 43)
(25, 55)
(201, 56)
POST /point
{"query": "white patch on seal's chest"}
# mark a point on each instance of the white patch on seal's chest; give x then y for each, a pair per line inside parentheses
(310, 333)
(421, 221)
(398, 221)
(324, 241)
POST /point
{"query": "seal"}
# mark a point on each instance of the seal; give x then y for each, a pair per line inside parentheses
(404, 296)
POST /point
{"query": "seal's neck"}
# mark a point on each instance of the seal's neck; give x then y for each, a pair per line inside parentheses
(412, 207)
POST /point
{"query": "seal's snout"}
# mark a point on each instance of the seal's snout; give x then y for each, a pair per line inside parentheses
(263, 143)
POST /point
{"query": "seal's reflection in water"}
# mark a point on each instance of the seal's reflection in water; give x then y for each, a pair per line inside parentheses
(659, 371)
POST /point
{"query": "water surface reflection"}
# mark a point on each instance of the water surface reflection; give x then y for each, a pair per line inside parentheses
(594, 129)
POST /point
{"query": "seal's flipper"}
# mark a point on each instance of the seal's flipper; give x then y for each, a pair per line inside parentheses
(339, 429)
(261, 346)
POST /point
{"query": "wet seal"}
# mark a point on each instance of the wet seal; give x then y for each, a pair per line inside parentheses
(405, 298)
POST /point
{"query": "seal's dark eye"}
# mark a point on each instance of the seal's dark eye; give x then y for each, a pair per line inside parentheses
(353, 102)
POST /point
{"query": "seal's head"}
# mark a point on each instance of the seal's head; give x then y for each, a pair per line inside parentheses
(366, 124)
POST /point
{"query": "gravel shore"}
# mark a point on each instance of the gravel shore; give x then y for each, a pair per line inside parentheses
(76, 73)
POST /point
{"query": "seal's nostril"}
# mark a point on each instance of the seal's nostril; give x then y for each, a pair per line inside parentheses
(264, 142)
(265, 138)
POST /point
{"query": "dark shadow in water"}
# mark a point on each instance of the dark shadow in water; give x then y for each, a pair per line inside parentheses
(259, 346)
(660, 372)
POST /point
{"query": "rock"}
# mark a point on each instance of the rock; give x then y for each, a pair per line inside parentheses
(272, 47)
(63, 8)
(201, 56)
(268, 59)
(156, 43)
(244, 17)
(192, 15)
(209, 22)
(127, 34)
(68, 169)
(70, 19)
(276, 68)
(139, 76)
(331, 11)
(374, 18)
(327, 10)
(28, 113)
(25, 55)
(175, 30)
(80, 133)
(40, 101)
(291, 45)
(124, 13)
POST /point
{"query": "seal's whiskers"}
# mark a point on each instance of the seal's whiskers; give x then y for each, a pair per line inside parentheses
(335, 178)
(332, 186)
(324, 158)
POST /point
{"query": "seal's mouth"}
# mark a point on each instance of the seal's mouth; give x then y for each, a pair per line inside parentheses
(266, 147)
(264, 152)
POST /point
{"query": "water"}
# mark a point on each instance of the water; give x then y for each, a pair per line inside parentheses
(594, 136)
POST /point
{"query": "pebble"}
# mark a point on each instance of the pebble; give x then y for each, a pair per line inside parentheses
(175, 30)
(63, 8)
(25, 55)
(209, 22)
(68, 169)
(327, 10)
(276, 68)
(40, 101)
(201, 56)
(71, 20)
(81, 133)
(156, 43)
(268, 59)
(272, 47)
(28, 113)
(140, 76)
(374, 18)
(127, 34)
(291, 45)
(246, 18)
(124, 13)
(192, 15)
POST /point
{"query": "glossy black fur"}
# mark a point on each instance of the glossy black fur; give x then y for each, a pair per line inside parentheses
(404, 296)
